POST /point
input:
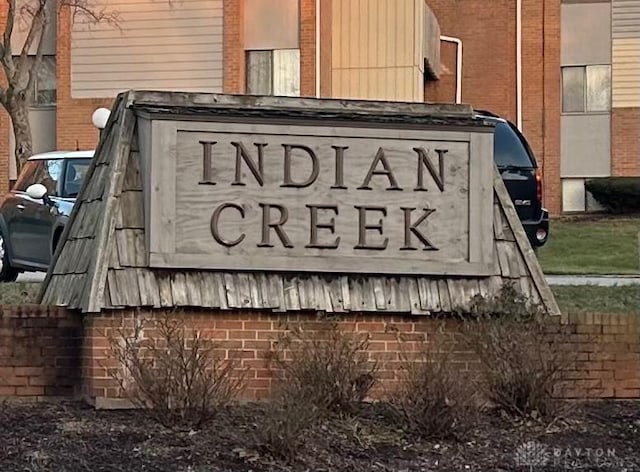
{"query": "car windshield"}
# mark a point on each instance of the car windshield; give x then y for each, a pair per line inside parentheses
(74, 176)
(508, 148)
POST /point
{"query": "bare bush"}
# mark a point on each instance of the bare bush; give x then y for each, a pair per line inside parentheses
(288, 418)
(318, 372)
(521, 363)
(433, 399)
(174, 375)
(328, 367)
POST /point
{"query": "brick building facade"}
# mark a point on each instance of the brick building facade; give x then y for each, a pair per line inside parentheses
(360, 56)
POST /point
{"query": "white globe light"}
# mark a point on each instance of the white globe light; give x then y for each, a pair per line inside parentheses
(100, 117)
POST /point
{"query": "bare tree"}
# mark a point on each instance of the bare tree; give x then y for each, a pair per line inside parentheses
(21, 68)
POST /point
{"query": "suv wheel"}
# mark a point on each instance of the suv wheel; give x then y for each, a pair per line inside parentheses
(7, 273)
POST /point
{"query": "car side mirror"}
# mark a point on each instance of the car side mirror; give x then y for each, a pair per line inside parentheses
(37, 191)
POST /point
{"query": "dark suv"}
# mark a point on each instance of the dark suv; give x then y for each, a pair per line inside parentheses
(522, 177)
(36, 210)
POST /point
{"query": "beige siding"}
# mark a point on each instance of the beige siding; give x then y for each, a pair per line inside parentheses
(625, 72)
(625, 63)
(378, 49)
(157, 45)
(625, 18)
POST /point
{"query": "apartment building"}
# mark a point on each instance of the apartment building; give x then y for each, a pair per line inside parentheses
(567, 72)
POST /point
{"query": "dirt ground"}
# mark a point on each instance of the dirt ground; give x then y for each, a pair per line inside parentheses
(70, 436)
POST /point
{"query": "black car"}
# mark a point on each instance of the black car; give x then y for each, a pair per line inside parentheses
(522, 177)
(34, 213)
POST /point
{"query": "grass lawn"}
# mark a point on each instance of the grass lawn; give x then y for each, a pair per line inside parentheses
(595, 299)
(603, 246)
(18, 293)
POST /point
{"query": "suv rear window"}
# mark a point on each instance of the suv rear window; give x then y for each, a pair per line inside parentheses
(509, 149)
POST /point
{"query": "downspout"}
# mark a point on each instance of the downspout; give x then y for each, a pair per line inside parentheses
(458, 43)
(318, 48)
(519, 63)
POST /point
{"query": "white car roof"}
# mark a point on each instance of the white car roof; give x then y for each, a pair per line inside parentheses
(62, 155)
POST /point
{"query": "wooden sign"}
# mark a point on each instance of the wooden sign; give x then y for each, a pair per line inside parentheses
(285, 204)
(313, 197)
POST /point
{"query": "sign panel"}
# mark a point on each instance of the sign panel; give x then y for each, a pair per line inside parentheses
(344, 199)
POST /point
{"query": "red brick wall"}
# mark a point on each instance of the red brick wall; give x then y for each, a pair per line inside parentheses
(607, 346)
(444, 89)
(541, 92)
(308, 48)
(39, 351)
(489, 70)
(233, 47)
(625, 141)
(489, 57)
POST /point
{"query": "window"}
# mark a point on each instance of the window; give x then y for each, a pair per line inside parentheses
(28, 175)
(273, 72)
(74, 176)
(44, 88)
(45, 172)
(51, 175)
(509, 149)
(586, 89)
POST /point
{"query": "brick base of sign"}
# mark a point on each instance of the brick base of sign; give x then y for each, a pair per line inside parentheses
(39, 351)
(55, 352)
(607, 349)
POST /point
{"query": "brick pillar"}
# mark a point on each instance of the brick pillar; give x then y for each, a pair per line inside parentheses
(233, 45)
(541, 91)
(625, 141)
(308, 48)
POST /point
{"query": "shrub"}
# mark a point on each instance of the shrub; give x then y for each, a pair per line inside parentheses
(318, 372)
(521, 364)
(175, 376)
(288, 418)
(433, 400)
(507, 303)
(617, 194)
(325, 366)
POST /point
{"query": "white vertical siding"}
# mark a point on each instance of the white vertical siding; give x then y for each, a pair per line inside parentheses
(625, 64)
(157, 45)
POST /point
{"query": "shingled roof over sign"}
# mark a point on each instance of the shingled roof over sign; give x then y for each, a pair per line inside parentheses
(102, 260)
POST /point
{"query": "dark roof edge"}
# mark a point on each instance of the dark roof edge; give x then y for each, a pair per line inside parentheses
(202, 105)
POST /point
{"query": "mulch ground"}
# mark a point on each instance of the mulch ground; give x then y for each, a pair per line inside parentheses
(70, 436)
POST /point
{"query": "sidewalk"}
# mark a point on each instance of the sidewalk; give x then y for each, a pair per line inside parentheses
(603, 280)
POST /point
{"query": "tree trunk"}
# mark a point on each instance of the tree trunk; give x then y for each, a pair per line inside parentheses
(18, 109)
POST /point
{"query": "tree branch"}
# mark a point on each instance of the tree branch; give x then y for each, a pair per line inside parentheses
(7, 59)
(37, 63)
(83, 8)
(37, 20)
